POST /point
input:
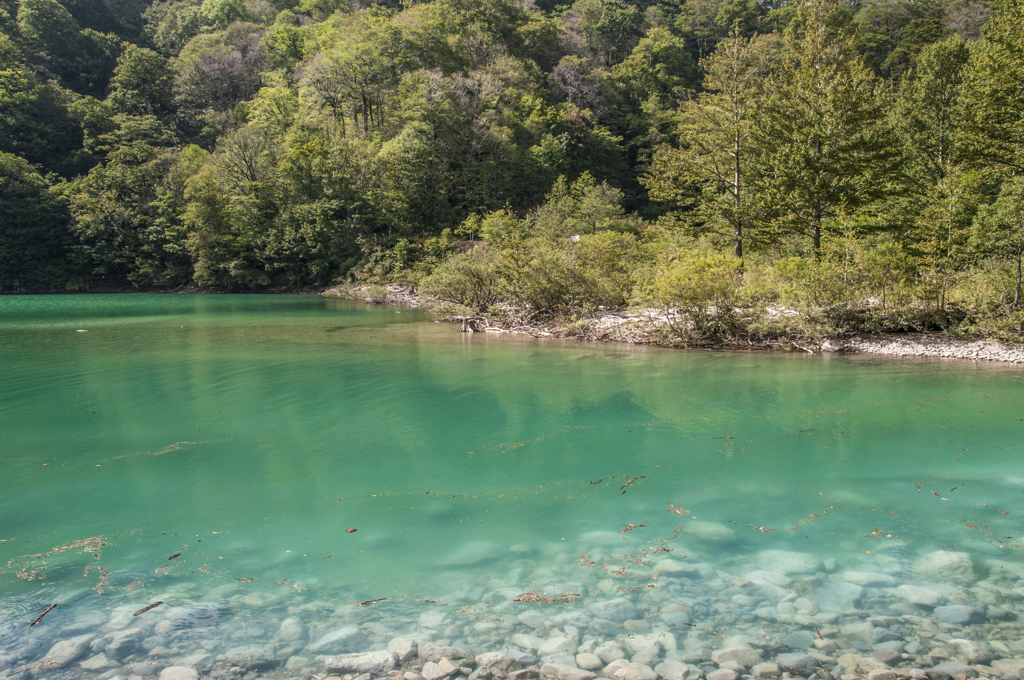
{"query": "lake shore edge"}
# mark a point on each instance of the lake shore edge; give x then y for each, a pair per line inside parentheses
(644, 328)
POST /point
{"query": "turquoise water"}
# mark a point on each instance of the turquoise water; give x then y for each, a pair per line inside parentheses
(246, 435)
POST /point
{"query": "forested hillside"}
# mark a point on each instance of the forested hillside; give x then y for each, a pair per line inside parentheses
(857, 162)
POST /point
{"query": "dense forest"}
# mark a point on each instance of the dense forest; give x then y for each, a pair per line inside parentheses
(802, 167)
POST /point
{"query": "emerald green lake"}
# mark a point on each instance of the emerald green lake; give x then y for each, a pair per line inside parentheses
(214, 452)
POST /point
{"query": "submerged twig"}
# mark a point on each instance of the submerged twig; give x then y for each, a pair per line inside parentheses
(40, 617)
(147, 608)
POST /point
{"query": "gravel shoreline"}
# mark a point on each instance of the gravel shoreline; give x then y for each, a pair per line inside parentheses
(930, 345)
(640, 329)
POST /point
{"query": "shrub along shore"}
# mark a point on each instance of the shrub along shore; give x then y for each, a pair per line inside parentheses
(651, 327)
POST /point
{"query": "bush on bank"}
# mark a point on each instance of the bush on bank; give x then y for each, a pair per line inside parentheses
(526, 271)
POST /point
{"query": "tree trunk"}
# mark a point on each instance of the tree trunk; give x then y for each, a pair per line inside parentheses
(738, 220)
(817, 204)
(1016, 297)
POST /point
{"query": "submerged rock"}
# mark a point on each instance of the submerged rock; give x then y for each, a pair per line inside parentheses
(532, 619)
(292, 630)
(799, 639)
(527, 641)
(922, 596)
(559, 644)
(890, 657)
(1008, 666)
(946, 565)
(710, 531)
(959, 614)
(178, 673)
(550, 670)
(951, 668)
(618, 610)
(802, 664)
(626, 670)
(430, 671)
(374, 663)
(786, 562)
(99, 663)
(523, 658)
(610, 651)
(744, 656)
(762, 671)
(762, 640)
(403, 648)
(976, 651)
(251, 659)
(337, 641)
(498, 661)
(723, 674)
(670, 669)
(869, 579)
(428, 651)
(66, 651)
(838, 597)
(473, 552)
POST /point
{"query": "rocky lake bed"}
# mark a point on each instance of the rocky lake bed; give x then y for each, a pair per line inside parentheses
(937, 615)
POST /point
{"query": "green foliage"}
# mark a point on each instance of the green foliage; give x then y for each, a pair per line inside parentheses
(35, 123)
(243, 143)
(928, 113)
(55, 43)
(124, 229)
(33, 234)
(999, 232)
(50, 32)
(714, 164)
(994, 96)
(470, 280)
(705, 23)
(142, 84)
(585, 207)
(697, 290)
(822, 135)
(285, 41)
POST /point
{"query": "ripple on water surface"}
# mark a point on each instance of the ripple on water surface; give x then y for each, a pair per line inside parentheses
(288, 479)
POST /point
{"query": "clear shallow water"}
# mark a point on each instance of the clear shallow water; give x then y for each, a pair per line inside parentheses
(245, 435)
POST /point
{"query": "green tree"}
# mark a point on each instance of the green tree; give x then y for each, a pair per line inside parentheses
(940, 194)
(285, 40)
(994, 94)
(944, 229)
(715, 155)
(142, 84)
(357, 78)
(585, 207)
(928, 113)
(170, 24)
(605, 31)
(124, 233)
(35, 123)
(34, 238)
(999, 229)
(704, 23)
(822, 134)
(50, 32)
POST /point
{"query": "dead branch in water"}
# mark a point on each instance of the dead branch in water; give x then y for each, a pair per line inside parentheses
(40, 617)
